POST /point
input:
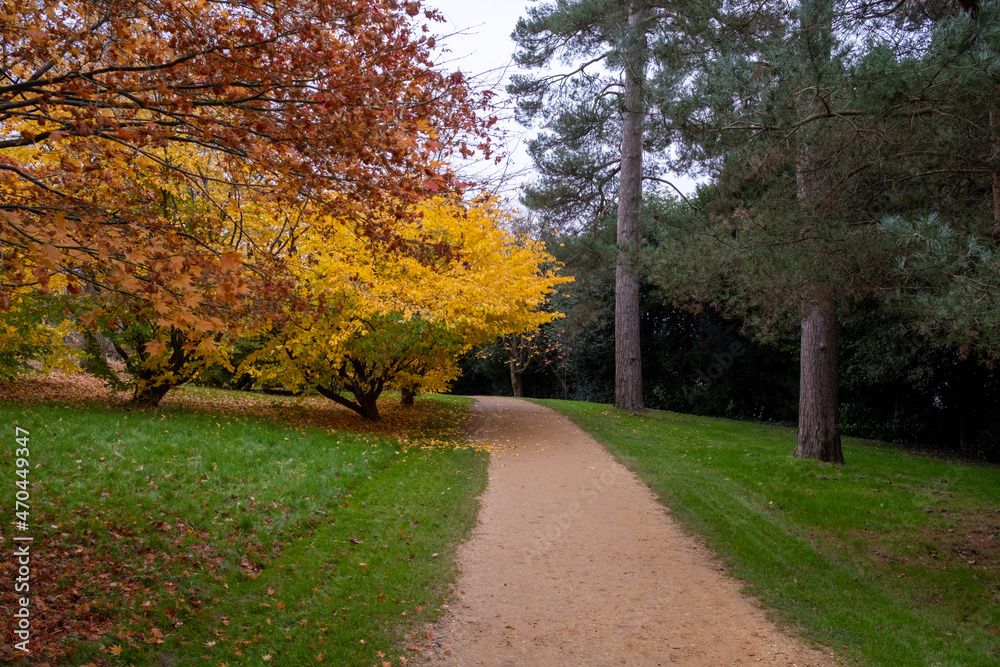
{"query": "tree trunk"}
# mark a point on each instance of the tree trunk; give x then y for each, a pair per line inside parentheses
(516, 378)
(149, 396)
(407, 395)
(520, 351)
(369, 407)
(628, 364)
(364, 404)
(245, 383)
(563, 384)
(819, 401)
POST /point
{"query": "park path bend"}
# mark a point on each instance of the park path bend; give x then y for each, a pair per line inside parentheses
(574, 562)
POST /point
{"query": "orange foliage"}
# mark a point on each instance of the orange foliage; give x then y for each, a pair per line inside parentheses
(135, 134)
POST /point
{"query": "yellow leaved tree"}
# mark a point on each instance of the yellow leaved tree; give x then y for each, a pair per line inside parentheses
(32, 336)
(370, 318)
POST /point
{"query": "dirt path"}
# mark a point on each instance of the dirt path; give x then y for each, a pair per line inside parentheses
(575, 563)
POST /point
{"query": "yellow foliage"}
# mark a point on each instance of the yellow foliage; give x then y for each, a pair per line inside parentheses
(492, 286)
(26, 336)
(379, 317)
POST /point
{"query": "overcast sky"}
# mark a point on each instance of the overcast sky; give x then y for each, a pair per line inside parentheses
(480, 45)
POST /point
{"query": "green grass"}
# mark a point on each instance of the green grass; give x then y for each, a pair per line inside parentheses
(179, 538)
(891, 559)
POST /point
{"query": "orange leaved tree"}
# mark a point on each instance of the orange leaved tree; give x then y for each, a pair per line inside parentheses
(111, 108)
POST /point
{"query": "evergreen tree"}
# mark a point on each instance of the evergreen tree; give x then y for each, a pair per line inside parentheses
(813, 117)
(947, 250)
(597, 131)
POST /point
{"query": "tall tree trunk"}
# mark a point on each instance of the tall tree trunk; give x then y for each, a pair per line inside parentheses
(408, 394)
(628, 364)
(819, 401)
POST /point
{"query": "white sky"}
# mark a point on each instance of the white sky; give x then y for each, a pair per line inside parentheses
(479, 44)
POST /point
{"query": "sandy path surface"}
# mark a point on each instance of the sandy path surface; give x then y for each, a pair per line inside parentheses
(575, 563)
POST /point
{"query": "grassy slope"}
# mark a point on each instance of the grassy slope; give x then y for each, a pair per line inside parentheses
(195, 537)
(892, 559)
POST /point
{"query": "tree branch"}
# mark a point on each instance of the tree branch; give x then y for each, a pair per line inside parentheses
(676, 189)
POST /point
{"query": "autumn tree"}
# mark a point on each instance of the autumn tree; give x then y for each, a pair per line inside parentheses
(368, 319)
(111, 108)
(33, 336)
(149, 353)
(163, 347)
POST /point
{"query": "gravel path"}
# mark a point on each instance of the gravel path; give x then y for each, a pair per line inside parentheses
(574, 562)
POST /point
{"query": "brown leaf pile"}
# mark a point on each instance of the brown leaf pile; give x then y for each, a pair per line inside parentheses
(79, 388)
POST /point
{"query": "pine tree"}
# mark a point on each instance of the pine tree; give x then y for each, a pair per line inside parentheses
(813, 117)
(597, 131)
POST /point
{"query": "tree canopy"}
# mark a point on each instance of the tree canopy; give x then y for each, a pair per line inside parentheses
(368, 318)
(115, 111)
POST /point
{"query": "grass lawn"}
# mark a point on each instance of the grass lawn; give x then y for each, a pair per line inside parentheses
(186, 537)
(891, 559)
